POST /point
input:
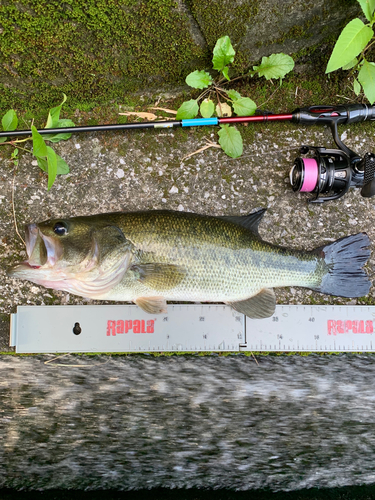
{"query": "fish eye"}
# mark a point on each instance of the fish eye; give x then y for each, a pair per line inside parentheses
(60, 229)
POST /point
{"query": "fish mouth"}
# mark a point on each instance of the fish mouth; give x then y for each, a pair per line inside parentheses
(42, 251)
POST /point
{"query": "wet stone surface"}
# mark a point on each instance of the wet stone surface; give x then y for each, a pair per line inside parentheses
(147, 170)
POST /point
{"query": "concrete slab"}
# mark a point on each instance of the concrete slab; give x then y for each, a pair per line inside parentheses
(149, 170)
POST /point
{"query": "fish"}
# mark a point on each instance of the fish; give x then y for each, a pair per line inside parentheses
(151, 257)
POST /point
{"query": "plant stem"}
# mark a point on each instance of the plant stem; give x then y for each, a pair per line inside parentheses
(367, 47)
(204, 93)
(19, 147)
(14, 143)
(218, 100)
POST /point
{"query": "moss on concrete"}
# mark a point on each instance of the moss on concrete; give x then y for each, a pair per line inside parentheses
(95, 50)
(103, 51)
(217, 18)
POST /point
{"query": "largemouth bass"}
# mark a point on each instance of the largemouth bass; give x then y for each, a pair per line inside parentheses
(155, 256)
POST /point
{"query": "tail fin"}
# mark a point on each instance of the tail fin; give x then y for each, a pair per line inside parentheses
(345, 259)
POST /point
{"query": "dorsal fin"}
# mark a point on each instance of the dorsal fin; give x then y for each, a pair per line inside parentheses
(250, 221)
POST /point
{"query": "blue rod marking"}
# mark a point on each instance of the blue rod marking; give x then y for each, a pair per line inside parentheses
(196, 122)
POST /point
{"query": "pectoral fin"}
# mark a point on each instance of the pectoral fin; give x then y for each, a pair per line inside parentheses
(261, 305)
(152, 305)
(158, 277)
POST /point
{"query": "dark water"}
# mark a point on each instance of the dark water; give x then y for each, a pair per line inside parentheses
(198, 427)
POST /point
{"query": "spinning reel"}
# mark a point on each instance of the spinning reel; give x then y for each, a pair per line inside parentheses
(329, 173)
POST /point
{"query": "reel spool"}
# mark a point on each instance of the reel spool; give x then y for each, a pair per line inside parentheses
(329, 173)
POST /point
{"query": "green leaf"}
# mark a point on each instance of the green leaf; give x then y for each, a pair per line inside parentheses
(3, 139)
(54, 121)
(244, 106)
(42, 163)
(223, 55)
(54, 115)
(52, 166)
(368, 7)
(188, 109)
(231, 141)
(199, 79)
(10, 120)
(39, 146)
(351, 64)
(207, 108)
(225, 73)
(366, 77)
(62, 166)
(64, 122)
(275, 66)
(234, 95)
(356, 87)
(352, 40)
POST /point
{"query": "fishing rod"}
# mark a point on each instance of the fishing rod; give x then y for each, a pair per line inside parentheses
(327, 173)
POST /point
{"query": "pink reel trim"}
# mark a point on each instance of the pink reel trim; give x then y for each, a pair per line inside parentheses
(311, 175)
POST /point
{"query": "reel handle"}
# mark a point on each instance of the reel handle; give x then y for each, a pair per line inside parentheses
(368, 164)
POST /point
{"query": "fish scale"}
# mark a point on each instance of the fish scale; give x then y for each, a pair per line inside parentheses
(239, 263)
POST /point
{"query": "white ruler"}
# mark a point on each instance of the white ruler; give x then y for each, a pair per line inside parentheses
(313, 328)
(191, 328)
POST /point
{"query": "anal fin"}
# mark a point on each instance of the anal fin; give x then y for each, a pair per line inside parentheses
(152, 305)
(259, 306)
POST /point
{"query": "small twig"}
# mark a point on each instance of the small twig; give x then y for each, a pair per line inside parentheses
(270, 97)
(13, 209)
(73, 366)
(140, 114)
(172, 111)
(25, 122)
(343, 97)
(255, 359)
(209, 144)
